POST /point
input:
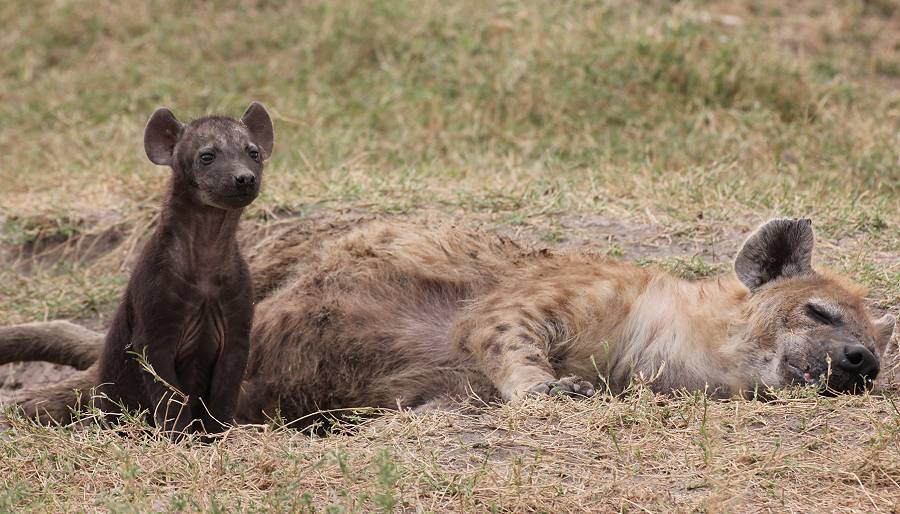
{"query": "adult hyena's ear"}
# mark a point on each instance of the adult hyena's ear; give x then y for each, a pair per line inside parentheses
(884, 330)
(161, 135)
(257, 120)
(780, 248)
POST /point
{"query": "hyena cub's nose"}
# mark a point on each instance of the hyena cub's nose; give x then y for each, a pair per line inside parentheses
(857, 359)
(245, 179)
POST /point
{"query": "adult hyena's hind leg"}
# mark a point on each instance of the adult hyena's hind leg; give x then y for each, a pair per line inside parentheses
(59, 342)
(55, 403)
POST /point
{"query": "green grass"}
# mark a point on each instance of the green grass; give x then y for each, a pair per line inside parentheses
(649, 105)
(699, 119)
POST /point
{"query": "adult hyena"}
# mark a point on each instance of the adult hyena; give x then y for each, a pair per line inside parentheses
(393, 314)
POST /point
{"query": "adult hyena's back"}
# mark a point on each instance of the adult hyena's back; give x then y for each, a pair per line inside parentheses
(367, 322)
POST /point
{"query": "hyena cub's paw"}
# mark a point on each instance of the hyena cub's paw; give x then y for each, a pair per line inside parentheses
(568, 386)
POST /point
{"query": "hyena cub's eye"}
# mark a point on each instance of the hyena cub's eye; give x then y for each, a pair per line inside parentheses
(820, 315)
(254, 154)
(207, 157)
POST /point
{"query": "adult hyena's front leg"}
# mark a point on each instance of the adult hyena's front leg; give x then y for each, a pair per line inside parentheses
(566, 386)
(512, 347)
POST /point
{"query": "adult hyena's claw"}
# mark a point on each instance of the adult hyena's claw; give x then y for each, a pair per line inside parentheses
(568, 386)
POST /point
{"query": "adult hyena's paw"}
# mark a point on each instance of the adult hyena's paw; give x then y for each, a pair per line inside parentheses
(41, 410)
(568, 386)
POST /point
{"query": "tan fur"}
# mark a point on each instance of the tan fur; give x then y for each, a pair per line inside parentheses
(394, 314)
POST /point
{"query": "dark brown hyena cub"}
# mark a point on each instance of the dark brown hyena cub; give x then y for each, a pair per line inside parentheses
(178, 343)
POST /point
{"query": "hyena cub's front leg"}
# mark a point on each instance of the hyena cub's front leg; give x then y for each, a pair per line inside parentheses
(512, 346)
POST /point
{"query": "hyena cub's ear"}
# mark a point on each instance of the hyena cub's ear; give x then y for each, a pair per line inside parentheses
(257, 120)
(161, 135)
(780, 248)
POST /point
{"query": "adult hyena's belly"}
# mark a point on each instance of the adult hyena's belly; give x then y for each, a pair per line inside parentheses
(380, 345)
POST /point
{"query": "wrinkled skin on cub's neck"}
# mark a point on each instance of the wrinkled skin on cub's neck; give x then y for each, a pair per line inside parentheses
(197, 234)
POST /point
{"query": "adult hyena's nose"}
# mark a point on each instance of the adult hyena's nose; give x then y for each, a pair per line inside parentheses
(245, 179)
(857, 360)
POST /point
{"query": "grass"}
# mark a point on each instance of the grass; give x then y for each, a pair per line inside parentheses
(642, 452)
(546, 119)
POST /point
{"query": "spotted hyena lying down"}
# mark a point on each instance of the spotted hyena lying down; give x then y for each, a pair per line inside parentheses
(394, 314)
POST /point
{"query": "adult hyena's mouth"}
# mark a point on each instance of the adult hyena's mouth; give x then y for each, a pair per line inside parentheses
(827, 379)
(803, 376)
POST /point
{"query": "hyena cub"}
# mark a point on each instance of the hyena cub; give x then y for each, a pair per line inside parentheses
(179, 340)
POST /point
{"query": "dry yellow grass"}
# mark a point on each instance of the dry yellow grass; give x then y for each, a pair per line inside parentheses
(637, 454)
(651, 130)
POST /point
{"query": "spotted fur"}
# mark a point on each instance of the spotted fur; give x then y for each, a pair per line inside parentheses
(392, 314)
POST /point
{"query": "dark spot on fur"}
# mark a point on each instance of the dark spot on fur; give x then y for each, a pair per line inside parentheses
(547, 312)
(492, 303)
(462, 341)
(502, 327)
(554, 327)
(564, 298)
(322, 318)
(534, 358)
(492, 347)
